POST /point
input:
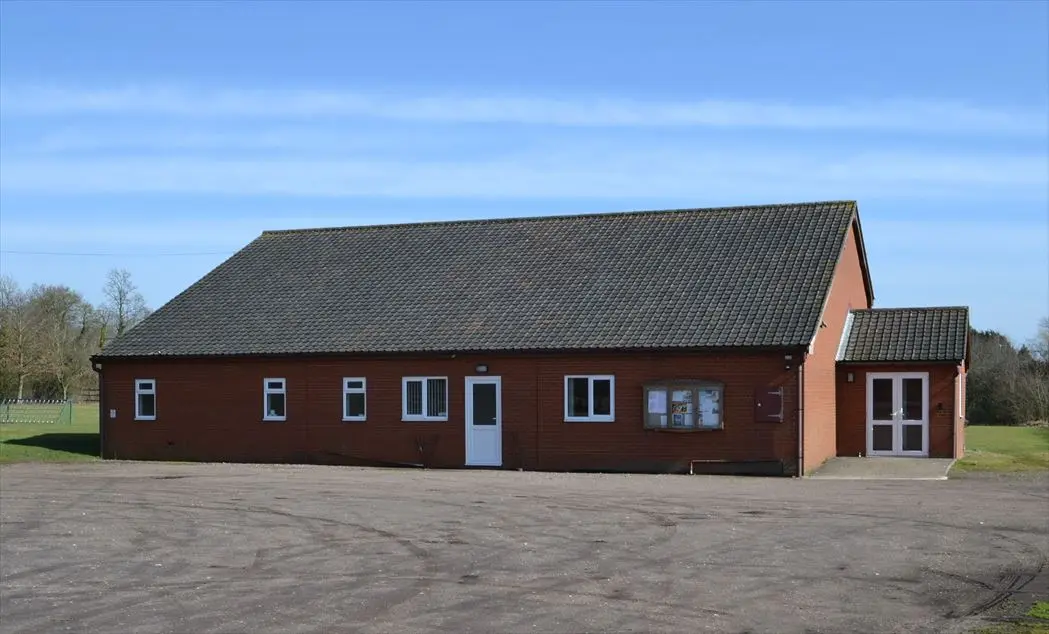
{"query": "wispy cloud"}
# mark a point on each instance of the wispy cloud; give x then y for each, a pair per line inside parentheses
(876, 115)
(220, 138)
(182, 139)
(205, 234)
(773, 174)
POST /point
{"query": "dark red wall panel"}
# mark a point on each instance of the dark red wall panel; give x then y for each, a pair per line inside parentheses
(211, 410)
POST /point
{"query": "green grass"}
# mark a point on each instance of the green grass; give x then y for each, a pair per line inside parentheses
(1005, 449)
(1040, 610)
(52, 442)
(987, 448)
(1036, 622)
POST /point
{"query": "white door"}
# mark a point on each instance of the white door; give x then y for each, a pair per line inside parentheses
(484, 421)
(898, 414)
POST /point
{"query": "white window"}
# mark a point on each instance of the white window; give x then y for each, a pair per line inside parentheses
(274, 399)
(353, 399)
(590, 399)
(424, 398)
(145, 399)
(690, 405)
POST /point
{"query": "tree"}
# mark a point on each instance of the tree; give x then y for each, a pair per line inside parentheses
(67, 336)
(124, 306)
(1035, 378)
(48, 334)
(19, 342)
(1040, 344)
(1006, 385)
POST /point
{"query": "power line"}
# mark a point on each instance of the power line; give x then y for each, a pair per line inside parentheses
(121, 255)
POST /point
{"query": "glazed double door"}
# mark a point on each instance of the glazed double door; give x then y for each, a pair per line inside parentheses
(898, 414)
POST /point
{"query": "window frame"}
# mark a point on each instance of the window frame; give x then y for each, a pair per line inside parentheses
(140, 392)
(346, 391)
(423, 418)
(266, 391)
(591, 417)
(695, 386)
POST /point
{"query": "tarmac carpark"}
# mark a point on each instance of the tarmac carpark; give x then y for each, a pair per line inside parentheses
(155, 547)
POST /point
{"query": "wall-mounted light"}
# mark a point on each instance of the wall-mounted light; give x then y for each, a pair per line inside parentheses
(849, 377)
(481, 368)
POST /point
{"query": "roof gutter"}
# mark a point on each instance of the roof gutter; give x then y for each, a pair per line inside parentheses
(728, 350)
(876, 362)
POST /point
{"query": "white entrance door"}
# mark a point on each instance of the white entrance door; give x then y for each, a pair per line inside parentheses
(484, 421)
(898, 414)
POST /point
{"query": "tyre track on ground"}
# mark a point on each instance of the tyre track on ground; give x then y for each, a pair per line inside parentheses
(551, 552)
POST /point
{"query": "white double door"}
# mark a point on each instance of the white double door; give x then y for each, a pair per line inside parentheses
(898, 414)
(484, 421)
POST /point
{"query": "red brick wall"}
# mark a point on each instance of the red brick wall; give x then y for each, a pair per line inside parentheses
(212, 410)
(944, 436)
(820, 416)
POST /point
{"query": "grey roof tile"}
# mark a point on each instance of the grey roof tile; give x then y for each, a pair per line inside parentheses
(907, 334)
(697, 278)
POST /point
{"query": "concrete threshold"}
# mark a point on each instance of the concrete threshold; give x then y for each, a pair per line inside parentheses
(843, 468)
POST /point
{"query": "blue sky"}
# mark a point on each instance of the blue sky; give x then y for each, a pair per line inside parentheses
(150, 131)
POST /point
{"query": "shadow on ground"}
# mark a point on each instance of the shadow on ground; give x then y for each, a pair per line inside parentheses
(86, 444)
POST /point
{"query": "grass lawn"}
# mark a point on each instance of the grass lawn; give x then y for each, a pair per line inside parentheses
(1040, 610)
(52, 442)
(987, 448)
(1005, 449)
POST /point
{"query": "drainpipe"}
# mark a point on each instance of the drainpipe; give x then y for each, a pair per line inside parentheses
(97, 367)
(538, 411)
(801, 416)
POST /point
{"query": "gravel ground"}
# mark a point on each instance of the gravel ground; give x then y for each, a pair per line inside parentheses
(152, 547)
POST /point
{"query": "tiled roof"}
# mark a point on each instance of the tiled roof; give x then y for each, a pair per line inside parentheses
(696, 278)
(907, 334)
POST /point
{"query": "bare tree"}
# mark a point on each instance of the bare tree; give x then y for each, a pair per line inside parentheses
(66, 340)
(1040, 344)
(124, 306)
(19, 343)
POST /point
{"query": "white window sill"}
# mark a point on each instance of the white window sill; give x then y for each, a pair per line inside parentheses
(353, 419)
(602, 419)
(424, 419)
(146, 418)
(279, 419)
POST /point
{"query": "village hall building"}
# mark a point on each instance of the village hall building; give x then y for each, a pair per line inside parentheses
(739, 339)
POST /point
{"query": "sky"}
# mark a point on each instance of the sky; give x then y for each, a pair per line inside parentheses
(162, 137)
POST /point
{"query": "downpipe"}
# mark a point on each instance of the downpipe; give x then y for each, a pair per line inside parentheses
(97, 368)
(801, 417)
